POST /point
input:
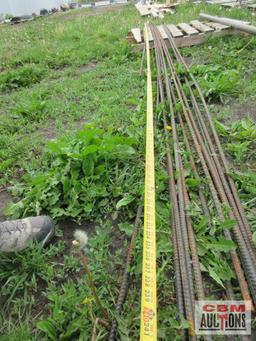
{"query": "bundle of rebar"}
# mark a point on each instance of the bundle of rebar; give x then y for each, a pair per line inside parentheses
(192, 127)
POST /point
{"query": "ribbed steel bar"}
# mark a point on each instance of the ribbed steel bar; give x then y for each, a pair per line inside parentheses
(172, 195)
(215, 168)
(177, 206)
(233, 254)
(170, 171)
(229, 195)
(207, 115)
(192, 243)
(234, 257)
(243, 250)
(194, 169)
(200, 147)
(124, 284)
(191, 237)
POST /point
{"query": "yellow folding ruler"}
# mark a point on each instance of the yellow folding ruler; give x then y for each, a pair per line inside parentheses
(148, 324)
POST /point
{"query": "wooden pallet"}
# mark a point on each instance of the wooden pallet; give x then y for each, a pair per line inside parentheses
(154, 9)
(194, 33)
(231, 3)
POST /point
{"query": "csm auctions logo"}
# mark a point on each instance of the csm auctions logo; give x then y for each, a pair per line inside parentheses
(223, 317)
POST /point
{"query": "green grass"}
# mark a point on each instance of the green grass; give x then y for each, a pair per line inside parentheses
(71, 69)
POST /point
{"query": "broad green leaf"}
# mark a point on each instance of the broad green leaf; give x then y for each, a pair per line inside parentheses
(124, 202)
(221, 244)
(88, 166)
(89, 150)
(47, 327)
(227, 224)
(193, 182)
(202, 224)
(203, 268)
(55, 147)
(213, 275)
(126, 228)
(72, 328)
(201, 249)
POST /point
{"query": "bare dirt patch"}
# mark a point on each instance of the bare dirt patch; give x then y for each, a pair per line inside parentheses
(5, 198)
(244, 110)
(238, 111)
(87, 67)
(90, 66)
(49, 132)
(68, 227)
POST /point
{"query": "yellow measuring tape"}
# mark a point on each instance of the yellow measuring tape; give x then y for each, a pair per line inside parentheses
(148, 318)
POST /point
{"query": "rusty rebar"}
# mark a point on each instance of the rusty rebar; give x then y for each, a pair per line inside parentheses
(179, 206)
(215, 168)
(124, 283)
(236, 201)
(247, 260)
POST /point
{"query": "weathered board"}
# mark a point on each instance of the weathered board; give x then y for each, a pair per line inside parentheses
(143, 9)
(217, 26)
(137, 35)
(231, 3)
(184, 35)
(162, 32)
(102, 3)
(201, 26)
(218, 2)
(156, 10)
(189, 30)
(175, 32)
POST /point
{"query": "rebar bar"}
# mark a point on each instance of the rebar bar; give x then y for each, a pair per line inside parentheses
(201, 149)
(124, 283)
(200, 139)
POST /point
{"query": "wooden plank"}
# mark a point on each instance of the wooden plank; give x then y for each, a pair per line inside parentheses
(196, 39)
(189, 30)
(218, 2)
(162, 31)
(201, 26)
(242, 3)
(217, 26)
(164, 6)
(102, 3)
(120, 1)
(168, 10)
(155, 13)
(224, 2)
(221, 2)
(143, 9)
(137, 35)
(175, 32)
(231, 4)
